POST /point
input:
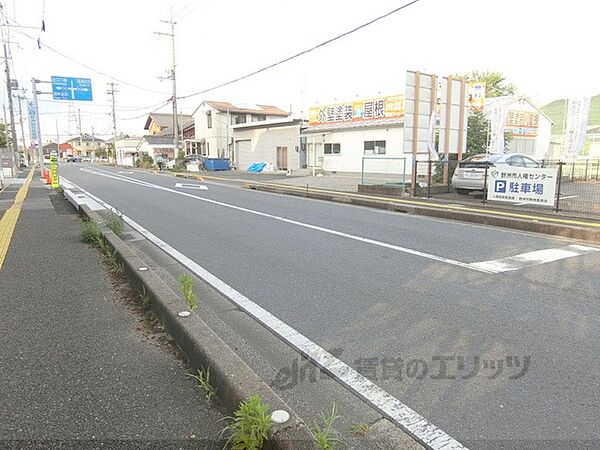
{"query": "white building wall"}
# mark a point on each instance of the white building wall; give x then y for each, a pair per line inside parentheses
(264, 143)
(352, 150)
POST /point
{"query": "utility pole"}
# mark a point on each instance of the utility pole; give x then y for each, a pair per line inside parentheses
(174, 79)
(37, 119)
(79, 126)
(11, 112)
(22, 127)
(112, 93)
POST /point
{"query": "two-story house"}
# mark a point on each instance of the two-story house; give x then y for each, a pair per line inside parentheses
(86, 145)
(213, 121)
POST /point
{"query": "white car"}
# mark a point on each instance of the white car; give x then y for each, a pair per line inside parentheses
(470, 173)
(102, 160)
(86, 159)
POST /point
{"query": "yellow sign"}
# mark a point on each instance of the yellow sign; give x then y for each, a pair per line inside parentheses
(54, 172)
(476, 95)
(357, 111)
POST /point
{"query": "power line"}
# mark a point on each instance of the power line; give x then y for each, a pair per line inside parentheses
(148, 113)
(304, 52)
(58, 52)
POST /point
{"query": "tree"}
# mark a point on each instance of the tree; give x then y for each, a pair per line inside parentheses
(478, 127)
(495, 82)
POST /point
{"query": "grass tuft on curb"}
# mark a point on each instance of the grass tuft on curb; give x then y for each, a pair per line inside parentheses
(115, 223)
(326, 435)
(250, 427)
(91, 233)
(187, 287)
(204, 383)
(359, 430)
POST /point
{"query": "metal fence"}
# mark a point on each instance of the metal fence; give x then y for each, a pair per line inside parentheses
(578, 185)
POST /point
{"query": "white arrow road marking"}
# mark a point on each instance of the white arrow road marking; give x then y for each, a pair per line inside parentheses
(390, 407)
(534, 258)
(191, 186)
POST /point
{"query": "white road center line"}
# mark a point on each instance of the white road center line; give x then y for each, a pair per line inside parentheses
(534, 258)
(392, 408)
(295, 222)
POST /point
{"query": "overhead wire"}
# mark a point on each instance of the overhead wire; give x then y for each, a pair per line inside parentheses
(303, 52)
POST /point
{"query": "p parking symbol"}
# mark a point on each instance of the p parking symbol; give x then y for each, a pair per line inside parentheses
(500, 186)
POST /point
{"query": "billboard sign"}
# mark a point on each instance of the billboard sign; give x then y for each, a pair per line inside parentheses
(522, 123)
(453, 116)
(68, 88)
(357, 111)
(522, 185)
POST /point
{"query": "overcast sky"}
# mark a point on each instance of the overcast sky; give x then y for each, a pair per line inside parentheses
(546, 48)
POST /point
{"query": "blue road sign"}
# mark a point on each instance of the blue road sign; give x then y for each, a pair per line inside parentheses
(67, 88)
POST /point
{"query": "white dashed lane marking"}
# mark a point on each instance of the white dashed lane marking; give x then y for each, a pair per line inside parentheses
(534, 258)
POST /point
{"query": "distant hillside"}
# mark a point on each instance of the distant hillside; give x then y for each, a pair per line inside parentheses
(556, 111)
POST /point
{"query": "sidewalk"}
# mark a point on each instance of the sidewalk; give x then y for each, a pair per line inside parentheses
(79, 369)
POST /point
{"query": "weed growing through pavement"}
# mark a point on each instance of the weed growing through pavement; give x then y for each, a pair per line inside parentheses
(91, 233)
(204, 383)
(326, 435)
(359, 429)
(115, 223)
(250, 425)
(145, 297)
(187, 286)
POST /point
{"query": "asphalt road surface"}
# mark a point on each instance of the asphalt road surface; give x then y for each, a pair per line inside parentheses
(495, 353)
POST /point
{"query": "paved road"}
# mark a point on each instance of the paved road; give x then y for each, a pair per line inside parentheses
(397, 286)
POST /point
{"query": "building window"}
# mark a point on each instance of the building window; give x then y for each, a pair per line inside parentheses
(259, 118)
(209, 119)
(238, 118)
(374, 147)
(332, 149)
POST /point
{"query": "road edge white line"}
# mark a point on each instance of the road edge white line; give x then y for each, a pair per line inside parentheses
(406, 418)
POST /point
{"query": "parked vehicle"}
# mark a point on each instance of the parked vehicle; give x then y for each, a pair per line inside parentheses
(470, 173)
(86, 159)
(73, 158)
(102, 160)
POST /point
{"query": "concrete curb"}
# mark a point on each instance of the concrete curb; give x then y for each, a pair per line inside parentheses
(202, 347)
(530, 225)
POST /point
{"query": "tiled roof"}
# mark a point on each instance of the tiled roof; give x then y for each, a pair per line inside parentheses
(248, 109)
(165, 120)
(158, 140)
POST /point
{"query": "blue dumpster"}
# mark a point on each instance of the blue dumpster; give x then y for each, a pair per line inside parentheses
(216, 164)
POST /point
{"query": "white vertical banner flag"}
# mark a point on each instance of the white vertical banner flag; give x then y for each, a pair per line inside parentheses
(578, 110)
(497, 118)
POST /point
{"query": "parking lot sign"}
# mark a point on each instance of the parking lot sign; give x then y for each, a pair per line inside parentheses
(69, 88)
(522, 185)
